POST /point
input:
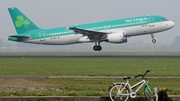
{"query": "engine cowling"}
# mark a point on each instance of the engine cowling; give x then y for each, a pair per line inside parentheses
(117, 37)
(84, 39)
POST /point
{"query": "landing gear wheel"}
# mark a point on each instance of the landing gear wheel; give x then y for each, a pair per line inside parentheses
(97, 48)
(154, 40)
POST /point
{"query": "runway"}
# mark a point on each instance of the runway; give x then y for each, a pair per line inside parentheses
(94, 56)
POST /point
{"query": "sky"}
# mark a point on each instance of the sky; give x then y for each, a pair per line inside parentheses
(56, 13)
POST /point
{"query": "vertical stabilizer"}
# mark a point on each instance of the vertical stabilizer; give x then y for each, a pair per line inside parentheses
(20, 21)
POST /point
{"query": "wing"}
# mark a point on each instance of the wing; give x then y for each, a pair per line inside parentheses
(91, 34)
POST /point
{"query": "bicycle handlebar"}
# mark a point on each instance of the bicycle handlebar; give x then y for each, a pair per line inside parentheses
(142, 75)
(137, 76)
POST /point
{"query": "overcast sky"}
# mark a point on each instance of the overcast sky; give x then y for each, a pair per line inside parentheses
(56, 13)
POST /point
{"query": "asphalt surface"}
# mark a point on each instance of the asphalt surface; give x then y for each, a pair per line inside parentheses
(93, 56)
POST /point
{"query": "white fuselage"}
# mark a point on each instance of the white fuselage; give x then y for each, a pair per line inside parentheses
(128, 31)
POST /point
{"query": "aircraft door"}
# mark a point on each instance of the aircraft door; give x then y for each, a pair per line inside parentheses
(151, 21)
(41, 36)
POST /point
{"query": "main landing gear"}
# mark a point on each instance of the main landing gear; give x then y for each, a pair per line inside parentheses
(97, 47)
(153, 40)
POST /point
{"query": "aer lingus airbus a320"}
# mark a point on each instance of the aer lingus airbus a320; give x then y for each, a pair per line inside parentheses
(112, 31)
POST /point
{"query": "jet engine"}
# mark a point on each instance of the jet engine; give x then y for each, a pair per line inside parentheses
(116, 38)
(84, 39)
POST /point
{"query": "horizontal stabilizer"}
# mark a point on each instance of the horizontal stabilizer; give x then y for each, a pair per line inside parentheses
(20, 37)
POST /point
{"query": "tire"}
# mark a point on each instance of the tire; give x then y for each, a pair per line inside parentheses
(150, 97)
(95, 48)
(115, 96)
(154, 41)
(99, 48)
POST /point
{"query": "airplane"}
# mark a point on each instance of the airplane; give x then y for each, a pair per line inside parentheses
(112, 31)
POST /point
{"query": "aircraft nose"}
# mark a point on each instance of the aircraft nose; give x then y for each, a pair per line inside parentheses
(171, 24)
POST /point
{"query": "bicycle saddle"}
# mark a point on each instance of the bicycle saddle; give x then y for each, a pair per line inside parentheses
(126, 78)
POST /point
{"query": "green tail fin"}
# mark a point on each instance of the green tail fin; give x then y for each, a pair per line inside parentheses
(21, 22)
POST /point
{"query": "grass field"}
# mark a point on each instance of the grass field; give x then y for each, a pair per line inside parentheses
(90, 66)
(75, 87)
(83, 66)
(23, 53)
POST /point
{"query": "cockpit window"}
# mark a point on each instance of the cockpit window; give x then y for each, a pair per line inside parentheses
(163, 19)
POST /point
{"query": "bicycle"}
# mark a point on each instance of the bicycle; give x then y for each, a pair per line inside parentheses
(122, 91)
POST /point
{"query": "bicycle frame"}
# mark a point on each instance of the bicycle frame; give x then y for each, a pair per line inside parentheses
(140, 84)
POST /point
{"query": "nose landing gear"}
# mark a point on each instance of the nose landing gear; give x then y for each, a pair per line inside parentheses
(153, 40)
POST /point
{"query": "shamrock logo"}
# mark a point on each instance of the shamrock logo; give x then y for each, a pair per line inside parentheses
(21, 21)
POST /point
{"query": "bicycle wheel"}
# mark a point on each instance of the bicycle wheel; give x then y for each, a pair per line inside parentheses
(150, 94)
(119, 93)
